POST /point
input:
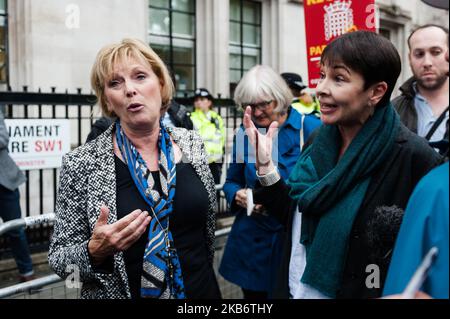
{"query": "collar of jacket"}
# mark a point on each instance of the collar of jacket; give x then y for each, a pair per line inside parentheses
(407, 88)
(293, 119)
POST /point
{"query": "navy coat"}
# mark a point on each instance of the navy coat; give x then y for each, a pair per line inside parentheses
(253, 249)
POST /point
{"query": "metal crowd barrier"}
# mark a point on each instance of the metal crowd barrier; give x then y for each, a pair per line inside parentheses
(52, 286)
(26, 222)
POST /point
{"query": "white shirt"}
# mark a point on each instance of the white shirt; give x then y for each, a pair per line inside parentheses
(426, 118)
(297, 264)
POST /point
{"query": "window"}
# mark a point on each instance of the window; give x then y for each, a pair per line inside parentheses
(3, 41)
(172, 36)
(385, 33)
(245, 38)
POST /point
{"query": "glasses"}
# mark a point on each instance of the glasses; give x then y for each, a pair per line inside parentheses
(260, 105)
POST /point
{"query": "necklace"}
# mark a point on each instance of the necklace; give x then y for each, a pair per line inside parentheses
(168, 249)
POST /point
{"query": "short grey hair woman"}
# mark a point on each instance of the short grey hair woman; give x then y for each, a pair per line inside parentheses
(251, 257)
(267, 93)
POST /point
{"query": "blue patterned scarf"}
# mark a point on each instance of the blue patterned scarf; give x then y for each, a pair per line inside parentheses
(161, 277)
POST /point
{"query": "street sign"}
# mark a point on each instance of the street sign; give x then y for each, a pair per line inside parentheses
(38, 143)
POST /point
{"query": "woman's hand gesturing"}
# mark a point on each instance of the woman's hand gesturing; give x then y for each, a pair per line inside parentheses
(262, 143)
(108, 239)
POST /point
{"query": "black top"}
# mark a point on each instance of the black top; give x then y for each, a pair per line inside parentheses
(187, 224)
(390, 188)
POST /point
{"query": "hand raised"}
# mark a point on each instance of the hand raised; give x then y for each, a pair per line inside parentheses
(262, 143)
(108, 239)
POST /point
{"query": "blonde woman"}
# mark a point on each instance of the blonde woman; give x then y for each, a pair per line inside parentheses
(119, 217)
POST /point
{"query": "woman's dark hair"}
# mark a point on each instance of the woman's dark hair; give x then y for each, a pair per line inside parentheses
(369, 54)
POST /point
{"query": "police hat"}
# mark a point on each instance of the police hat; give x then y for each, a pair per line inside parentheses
(294, 80)
(203, 93)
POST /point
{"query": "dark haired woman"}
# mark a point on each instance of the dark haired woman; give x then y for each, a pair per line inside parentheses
(340, 203)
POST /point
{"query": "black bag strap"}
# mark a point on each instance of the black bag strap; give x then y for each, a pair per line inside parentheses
(436, 124)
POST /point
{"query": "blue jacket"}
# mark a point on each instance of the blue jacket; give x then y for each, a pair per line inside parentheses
(253, 248)
(425, 225)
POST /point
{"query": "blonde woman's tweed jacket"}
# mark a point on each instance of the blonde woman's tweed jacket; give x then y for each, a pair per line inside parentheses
(88, 180)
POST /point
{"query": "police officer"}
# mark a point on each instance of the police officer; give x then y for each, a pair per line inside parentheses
(210, 127)
(304, 101)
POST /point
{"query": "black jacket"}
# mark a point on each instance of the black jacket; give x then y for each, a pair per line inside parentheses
(180, 116)
(404, 104)
(375, 228)
(99, 127)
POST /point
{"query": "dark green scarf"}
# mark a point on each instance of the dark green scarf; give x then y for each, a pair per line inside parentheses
(330, 192)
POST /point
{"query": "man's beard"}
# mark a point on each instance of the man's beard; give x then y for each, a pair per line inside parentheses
(432, 85)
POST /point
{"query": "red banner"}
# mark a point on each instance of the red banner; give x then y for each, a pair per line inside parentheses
(327, 19)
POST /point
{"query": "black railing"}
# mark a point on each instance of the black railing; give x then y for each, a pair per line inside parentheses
(38, 194)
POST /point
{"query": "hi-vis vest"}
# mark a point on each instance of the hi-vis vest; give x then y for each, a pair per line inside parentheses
(304, 109)
(210, 127)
